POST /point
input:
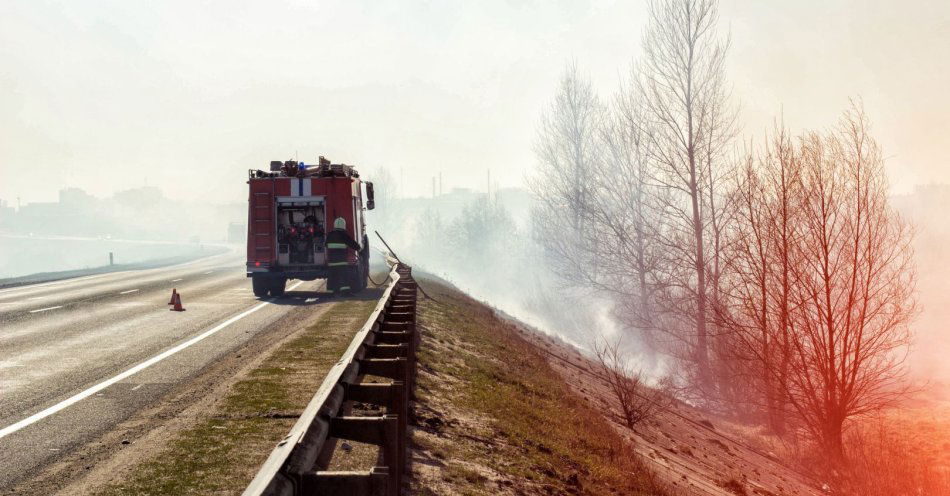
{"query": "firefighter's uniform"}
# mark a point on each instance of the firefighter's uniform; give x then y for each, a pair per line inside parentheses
(340, 277)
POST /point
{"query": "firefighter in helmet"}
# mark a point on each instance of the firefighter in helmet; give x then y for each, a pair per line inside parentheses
(340, 278)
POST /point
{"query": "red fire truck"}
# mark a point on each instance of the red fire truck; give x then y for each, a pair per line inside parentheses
(291, 208)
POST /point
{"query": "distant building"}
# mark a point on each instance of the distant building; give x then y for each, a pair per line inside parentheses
(39, 211)
(76, 198)
(144, 198)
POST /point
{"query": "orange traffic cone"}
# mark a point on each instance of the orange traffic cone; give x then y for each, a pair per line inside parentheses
(177, 307)
(174, 294)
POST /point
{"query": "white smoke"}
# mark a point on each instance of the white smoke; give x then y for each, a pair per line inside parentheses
(484, 248)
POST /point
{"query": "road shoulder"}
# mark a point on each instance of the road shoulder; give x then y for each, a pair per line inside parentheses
(167, 446)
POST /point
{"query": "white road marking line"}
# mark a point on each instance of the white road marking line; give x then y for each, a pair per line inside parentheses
(36, 298)
(45, 309)
(136, 387)
(175, 280)
(36, 417)
(129, 291)
(206, 273)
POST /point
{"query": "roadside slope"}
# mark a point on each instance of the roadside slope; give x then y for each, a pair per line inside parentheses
(492, 417)
(505, 409)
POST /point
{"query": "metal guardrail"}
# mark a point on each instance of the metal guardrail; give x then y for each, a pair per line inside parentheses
(385, 347)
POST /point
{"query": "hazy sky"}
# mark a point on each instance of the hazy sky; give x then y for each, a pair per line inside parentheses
(187, 95)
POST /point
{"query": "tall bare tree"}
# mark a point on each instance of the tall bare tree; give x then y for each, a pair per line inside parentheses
(567, 150)
(784, 185)
(612, 248)
(754, 315)
(688, 103)
(623, 213)
(744, 312)
(854, 285)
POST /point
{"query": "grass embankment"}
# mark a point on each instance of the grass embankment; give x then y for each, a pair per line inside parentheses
(492, 417)
(222, 452)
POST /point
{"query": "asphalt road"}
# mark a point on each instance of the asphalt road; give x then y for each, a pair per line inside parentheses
(80, 355)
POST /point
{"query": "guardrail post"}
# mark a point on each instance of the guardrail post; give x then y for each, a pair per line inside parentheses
(401, 410)
(381, 431)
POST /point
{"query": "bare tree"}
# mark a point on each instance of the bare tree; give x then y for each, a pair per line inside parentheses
(744, 312)
(854, 283)
(687, 101)
(820, 286)
(784, 185)
(623, 214)
(756, 310)
(636, 401)
(567, 150)
(603, 238)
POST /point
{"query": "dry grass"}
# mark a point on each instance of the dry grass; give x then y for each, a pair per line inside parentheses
(494, 418)
(903, 453)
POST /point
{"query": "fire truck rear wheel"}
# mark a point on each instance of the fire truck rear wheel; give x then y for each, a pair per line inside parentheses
(259, 286)
(277, 287)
